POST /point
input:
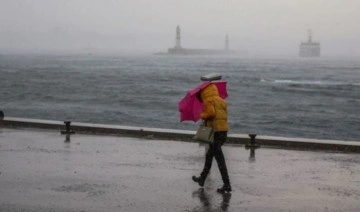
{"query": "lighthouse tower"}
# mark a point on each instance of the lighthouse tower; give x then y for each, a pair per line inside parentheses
(227, 42)
(178, 39)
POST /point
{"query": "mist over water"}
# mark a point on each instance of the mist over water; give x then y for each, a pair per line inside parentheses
(293, 97)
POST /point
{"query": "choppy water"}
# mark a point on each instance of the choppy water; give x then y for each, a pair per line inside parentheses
(310, 98)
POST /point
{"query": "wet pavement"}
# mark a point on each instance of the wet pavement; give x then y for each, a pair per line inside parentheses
(41, 171)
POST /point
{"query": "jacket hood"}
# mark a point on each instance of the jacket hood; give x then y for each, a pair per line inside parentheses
(209, 91)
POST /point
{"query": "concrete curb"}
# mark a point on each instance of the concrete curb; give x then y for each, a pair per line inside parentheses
(181, 135)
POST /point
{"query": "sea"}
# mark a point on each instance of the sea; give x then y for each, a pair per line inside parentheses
(288, 97)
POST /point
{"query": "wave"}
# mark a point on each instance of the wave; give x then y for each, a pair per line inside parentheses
(309, 82)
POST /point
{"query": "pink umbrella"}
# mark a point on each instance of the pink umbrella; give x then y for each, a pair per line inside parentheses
(190, 107)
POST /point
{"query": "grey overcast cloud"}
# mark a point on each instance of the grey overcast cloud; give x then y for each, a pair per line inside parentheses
(258, 27)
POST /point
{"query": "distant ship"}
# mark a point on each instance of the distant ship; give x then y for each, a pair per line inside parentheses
(179, 50)
(309, 48)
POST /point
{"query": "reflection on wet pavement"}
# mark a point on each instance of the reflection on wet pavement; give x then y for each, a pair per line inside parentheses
(208, 204)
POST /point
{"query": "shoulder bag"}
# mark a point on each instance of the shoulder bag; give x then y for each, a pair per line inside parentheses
(204, 133)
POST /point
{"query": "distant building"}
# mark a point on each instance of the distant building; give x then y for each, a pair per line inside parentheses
(179, 50)
(309, 48)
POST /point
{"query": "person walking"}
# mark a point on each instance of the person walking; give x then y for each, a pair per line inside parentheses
(214, 114)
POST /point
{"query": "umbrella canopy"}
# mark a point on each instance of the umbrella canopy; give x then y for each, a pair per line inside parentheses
(190, 107)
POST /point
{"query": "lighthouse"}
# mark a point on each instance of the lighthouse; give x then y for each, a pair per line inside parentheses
(178, 38)
(226, 42)
(179, 50)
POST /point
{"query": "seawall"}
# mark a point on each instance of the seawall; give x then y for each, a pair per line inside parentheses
(181, 135)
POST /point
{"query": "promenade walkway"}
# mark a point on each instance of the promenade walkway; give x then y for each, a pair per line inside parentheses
(40, 171)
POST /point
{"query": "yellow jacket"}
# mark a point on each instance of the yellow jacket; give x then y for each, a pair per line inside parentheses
(214, 109)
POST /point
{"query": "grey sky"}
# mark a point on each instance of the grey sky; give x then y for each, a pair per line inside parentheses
(255, 26)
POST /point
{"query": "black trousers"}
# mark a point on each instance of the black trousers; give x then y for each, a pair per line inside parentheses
(216, 151)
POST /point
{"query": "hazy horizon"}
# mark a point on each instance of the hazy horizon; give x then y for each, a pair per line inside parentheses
(273, 27)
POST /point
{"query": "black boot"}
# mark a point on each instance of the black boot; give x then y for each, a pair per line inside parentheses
(199, 180)
(224, 189)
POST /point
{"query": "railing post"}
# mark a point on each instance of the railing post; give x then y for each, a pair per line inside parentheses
(67, 128)
(252, 145)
